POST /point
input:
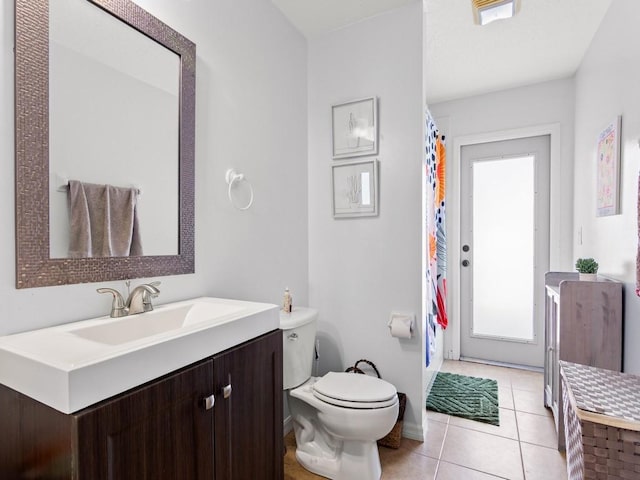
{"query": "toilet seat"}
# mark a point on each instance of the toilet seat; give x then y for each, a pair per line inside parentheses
(356, 405)
(354, 391)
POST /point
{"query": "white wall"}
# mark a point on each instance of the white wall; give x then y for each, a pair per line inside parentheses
(515, 111)
(251, 111)
(362, 269)
(607, 85)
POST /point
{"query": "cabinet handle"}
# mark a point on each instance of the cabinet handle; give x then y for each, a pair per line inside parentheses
(209, 402)
(293, 336)
(226, 391)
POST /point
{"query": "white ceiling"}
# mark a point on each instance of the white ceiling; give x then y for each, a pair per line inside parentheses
(546, 40)
(315, 17)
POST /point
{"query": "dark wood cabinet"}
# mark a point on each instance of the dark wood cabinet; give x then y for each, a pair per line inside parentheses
(248, 423)
(161, 430)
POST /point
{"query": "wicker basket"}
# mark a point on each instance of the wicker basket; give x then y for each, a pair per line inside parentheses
(392, 439)
(595, 450)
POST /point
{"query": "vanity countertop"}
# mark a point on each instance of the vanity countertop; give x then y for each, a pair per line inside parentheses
(72, 366)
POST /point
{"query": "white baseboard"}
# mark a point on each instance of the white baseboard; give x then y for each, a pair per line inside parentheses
(288, 425)
(414, 431)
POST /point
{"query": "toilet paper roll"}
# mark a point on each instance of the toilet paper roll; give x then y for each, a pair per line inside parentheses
(401, 327)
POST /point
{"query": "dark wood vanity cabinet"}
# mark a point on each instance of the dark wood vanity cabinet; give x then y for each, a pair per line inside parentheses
(248, 424)
(161, 430)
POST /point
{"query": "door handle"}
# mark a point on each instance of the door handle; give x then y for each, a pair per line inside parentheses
(465, 248)
(465, 263)
(209, 402)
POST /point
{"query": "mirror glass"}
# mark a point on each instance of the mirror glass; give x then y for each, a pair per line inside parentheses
(113, 119)
(104, 94)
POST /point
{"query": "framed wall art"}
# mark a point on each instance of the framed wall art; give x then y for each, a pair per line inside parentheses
(354, 128)
(355, 188)
(608, 169)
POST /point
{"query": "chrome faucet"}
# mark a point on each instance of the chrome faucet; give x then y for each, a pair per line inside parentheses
(138, 301)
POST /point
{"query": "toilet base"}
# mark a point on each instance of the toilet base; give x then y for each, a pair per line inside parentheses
(354, 459)
(337, 442)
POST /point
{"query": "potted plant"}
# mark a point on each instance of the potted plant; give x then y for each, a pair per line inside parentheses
(587, 269)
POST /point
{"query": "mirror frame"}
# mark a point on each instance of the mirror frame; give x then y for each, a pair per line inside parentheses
(34, 267)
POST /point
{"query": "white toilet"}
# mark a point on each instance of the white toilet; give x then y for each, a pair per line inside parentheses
(336, 418)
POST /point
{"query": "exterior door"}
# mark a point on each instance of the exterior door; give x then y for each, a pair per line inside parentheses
(504, 235)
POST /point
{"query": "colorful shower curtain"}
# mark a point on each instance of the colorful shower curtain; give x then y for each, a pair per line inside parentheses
(435, 170)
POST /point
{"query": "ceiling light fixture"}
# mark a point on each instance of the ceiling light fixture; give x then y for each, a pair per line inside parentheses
(486, 11)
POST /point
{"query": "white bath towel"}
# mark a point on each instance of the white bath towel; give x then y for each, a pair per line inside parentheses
(103, 220)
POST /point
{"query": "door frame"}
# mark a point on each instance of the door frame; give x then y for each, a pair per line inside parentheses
(560, 233)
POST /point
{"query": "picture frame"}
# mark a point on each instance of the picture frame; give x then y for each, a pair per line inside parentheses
(354, 186)
(608, 169)
(354, 128)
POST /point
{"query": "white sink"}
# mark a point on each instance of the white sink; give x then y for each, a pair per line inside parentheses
(167, 319)
(72, 366)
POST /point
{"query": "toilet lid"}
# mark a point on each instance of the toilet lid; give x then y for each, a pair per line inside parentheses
(355, 391)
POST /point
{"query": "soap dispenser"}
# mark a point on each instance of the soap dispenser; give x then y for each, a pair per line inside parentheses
(287, 303)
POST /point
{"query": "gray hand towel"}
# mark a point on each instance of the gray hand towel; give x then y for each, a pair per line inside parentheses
(104, 221)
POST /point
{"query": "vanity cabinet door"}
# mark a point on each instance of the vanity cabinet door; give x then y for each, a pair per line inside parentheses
(248, 422)
(159, 431)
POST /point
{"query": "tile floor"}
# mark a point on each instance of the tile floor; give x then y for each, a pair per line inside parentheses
(521, 448)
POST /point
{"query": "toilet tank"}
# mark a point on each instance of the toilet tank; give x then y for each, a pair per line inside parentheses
(298, 342)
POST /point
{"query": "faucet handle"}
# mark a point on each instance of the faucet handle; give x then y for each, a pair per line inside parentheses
(147, 295)
(118, 308)
(147, 306)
